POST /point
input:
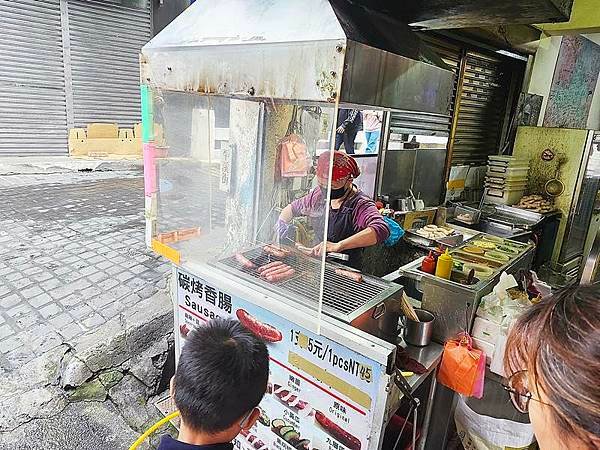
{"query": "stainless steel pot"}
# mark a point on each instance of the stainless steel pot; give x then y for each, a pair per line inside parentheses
(418, 333)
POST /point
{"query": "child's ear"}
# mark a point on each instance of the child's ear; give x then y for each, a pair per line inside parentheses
(252, 419)
(172, 386)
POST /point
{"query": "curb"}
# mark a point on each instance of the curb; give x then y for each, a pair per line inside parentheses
(118, 340)
(63, 164)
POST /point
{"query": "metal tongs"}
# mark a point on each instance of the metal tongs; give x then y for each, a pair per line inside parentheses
(414, 406)
(340, 256)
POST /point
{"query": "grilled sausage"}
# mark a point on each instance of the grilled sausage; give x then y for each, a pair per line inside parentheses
(352, 442)
(245, 262)
(281, 276)
(275, 271)
(356, 276)
(275, 268)
(262, 330)
(275, 251)
(271, 265)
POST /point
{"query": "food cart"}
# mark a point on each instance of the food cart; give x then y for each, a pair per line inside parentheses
(238, 99)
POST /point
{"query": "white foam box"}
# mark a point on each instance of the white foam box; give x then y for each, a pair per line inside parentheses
(485, 330)
(486, 347)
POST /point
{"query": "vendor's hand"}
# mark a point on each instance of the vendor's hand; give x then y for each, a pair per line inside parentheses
(341, 129)
(330, 247)
(283, 230)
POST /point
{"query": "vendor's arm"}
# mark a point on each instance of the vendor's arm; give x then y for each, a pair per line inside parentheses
(287, 214)
(300, 207)
(364, 238)
(373, 228)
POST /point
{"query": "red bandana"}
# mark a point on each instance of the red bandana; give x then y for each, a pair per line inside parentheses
(343, 166)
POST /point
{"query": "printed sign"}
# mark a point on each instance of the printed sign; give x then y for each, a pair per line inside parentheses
(321, 395)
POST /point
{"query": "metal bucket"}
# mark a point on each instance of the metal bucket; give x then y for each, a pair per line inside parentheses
(419, 333)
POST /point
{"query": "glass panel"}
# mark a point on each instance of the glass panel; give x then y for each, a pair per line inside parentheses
(236, 188)
(368, 174)
(372, 128)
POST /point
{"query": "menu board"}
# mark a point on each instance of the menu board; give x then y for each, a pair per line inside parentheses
(321, 395)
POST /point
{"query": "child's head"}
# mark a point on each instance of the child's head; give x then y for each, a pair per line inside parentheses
(221, 378)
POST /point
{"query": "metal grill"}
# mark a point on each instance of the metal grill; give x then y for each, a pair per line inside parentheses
(340, 294)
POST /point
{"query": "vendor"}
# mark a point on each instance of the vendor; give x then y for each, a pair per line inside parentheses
(354, 221)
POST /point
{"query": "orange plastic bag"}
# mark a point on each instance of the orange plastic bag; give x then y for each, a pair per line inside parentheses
(295, 161)
(292, 151)
(463, 367)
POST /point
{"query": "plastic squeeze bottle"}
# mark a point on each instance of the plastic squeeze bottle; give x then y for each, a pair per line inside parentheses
(428, 264)
(444, 266)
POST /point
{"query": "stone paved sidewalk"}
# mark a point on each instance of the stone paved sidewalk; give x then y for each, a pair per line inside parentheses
(72, 256)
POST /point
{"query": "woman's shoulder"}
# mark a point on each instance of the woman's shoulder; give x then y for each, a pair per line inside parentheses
(361, 200)
(364, 198)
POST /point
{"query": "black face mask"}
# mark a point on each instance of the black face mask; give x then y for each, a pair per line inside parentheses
(335, 193)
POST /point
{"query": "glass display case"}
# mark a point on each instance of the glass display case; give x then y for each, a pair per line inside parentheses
(219, 171)
(239, 101)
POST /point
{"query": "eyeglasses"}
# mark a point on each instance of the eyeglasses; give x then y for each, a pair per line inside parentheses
(517, 386)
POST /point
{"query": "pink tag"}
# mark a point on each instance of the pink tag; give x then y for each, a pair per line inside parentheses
(149, 169)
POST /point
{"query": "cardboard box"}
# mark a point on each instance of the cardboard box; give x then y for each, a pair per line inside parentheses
(485, 330)
(486, 347)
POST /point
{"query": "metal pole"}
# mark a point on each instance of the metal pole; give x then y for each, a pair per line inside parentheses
(428, 411)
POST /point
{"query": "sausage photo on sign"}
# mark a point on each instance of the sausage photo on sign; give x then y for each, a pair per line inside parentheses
(254, 440)
(184, 330)
(263, 330)
(334, 430)
(290, 399)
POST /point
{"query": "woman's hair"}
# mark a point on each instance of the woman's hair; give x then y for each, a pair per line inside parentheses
(558, 342)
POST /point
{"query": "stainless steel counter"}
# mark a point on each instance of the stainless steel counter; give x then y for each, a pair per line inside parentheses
(430, 356)
(453, 304)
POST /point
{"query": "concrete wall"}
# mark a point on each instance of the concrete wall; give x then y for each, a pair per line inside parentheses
(543, 72)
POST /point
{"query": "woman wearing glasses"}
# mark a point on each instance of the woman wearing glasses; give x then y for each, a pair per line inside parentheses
(553, 363)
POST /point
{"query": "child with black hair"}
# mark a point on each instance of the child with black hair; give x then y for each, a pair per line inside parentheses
(220, 380)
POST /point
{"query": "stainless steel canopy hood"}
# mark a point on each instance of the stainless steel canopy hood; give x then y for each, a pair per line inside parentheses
(304, 50)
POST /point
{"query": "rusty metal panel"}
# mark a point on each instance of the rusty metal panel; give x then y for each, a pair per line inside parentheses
(306, 72)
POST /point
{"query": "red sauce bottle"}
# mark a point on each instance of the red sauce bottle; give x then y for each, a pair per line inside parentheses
(428, 264)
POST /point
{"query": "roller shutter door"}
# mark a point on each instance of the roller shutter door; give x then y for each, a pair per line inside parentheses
(481, 110)
(33, 117)
(105, 39)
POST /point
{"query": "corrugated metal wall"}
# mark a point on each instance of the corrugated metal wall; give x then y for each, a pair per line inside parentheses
(33, 116)
(106, 39)
(63, 70)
